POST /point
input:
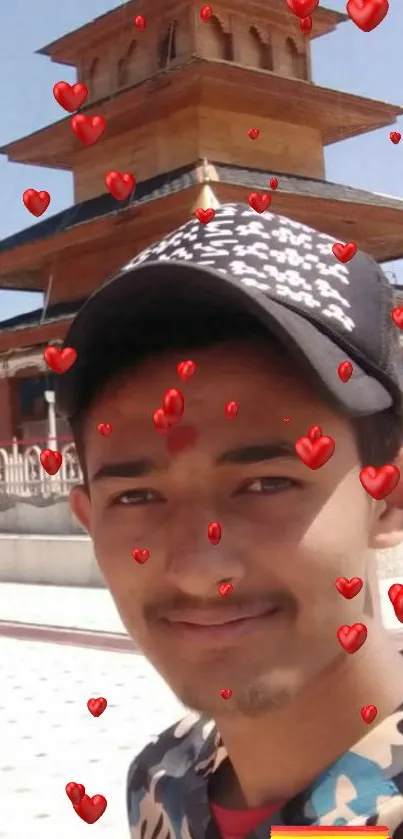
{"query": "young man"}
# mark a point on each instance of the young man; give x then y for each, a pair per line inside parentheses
(245, 629)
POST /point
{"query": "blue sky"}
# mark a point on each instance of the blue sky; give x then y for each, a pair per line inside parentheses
(367, 64)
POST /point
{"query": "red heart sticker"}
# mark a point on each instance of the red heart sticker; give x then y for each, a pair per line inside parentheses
(344, 253)
(91, 809)
(349, 588)
(120, 185)
(97, 706)
(205, 216)
(395, 136)
(368, 713)
(140, 555)
(352, 637)
(173, 405)
(226, 693)
(397, 316)
(140, 23)
(51, 461)
(302, 8)
(253, 133)
(273, 183)
(104, 428)
(259, 201)
(315, 454)
(367, 14)
(395, 591)
(70, 96)
(36, 202)
(186, 369)
(225, 589)
(206, 13)
(214, 533)
(59, 360)
(379, 483)
(231, 410)
(88, 129)
(345, 371)
(161, 421)
(398, 607)
(75, 792)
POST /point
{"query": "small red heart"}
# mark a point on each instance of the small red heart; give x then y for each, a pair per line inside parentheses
(226, 693)
(59, 360)
(352, 637)
(314, 433)
(140, 555)
(315, 454)
(398, 607)
(231, 410)
(259, 201)
(214, 533)
(206, 13)
(120, 185)
(368, 713)
(97, 706)
(344, 253)
(379, 483)
(140, 23)
(287, 419)
(345, 371)
(395, 590)
(88, 129)
(305, 24)
(397, 316)
(395, 136)
(91, 809)
(205, 216)
(253, 133)
(225, 589)
(75, 792)
(70, 96)
(51, 461)
(104, 428)
(302, 8)
(367, 14)
(273, 183)
(173, 405)
(349, 588)
(161, 421)
(186, 369)
(36, 202)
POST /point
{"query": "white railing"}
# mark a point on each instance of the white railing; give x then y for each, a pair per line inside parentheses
(22, 474)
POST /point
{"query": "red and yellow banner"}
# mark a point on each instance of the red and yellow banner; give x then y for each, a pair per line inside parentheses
(377, 832)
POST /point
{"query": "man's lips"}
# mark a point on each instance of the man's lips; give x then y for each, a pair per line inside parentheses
(217, 627)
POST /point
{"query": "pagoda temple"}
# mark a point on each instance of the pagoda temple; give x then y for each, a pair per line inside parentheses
(179, 97)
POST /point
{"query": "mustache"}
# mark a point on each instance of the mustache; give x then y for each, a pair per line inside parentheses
(237, 603)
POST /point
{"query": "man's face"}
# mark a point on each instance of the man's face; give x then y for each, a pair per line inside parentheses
(287, 531)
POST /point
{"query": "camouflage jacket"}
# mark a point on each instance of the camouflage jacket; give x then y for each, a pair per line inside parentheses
(167, 793)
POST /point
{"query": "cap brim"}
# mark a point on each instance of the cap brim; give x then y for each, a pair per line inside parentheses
(140, 296)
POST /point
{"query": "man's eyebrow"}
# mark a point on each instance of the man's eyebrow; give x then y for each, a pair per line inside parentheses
(125, 469)
(258, 452)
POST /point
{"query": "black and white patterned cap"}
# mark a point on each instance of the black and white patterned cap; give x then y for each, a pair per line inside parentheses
(283, 273)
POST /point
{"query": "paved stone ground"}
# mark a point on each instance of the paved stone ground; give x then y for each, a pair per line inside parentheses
(48, 737)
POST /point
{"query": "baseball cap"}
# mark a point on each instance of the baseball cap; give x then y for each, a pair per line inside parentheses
(281, 272)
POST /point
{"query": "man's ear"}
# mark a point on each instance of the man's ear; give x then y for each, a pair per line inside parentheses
(387, 531)
(80, 506)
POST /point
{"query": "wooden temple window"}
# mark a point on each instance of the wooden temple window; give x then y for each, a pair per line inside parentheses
(297, 60)
(126, 67)
(263, 50)
(167, 46)
(95, 80)
(221, 41)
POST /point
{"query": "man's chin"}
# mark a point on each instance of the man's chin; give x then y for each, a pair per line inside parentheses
(235, 698)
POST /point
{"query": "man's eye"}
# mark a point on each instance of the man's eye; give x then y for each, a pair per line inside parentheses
(266, 486)
(136, 497)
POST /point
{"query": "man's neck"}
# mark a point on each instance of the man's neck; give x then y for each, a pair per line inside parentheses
(275, 757)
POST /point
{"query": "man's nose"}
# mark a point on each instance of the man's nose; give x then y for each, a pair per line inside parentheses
(192, 563)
